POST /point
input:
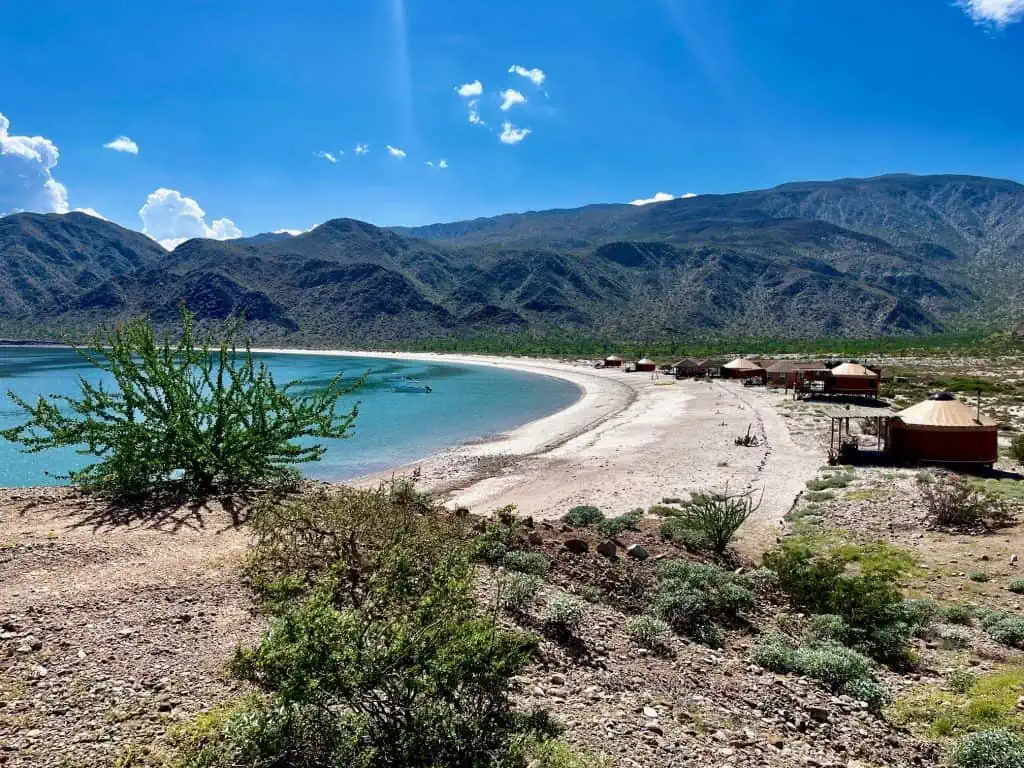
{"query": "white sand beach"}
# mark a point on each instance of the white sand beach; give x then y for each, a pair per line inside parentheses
(631, 440)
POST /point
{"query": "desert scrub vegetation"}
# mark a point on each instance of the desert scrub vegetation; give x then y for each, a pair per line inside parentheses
(841, 669)
(989, 749)
(831, 480)
(565, 616)
(381, 655)
(696, 600)
(954, 502)
(583, 516)
(856, 584)
(649, 632)
(1017, 448)
(968, 703)
(518, 593)
(526, 562)
(1005, 628)
(613, 526)
(1017, 587)
(957, 613)
(193, 415)
(709, 520)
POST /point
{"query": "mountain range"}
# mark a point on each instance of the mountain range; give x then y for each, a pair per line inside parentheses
(895, 254)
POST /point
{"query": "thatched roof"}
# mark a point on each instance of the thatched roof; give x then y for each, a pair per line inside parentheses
(742, 364)
(944, 411)
(854, 369)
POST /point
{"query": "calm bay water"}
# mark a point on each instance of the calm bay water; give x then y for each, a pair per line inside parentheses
(468, 401)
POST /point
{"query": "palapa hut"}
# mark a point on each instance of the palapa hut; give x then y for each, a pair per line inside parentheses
(852, 379)
(742, 368)
(645, 364)
(613, 361)
(943, 430)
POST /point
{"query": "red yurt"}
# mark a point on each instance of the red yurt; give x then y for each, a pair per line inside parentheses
(852, 379)
(613, 361)
(943, 430)
(645, 364)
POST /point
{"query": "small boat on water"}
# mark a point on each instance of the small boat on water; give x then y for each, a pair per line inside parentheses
(411, 386)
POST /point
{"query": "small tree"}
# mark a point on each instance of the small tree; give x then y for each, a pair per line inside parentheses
(193, 413)
(716, 517)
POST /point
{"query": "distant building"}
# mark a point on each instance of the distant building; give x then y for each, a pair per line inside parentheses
(943, 430)
(742, 368)
(786, 373)
(645, 364)
(613, 361)
(852, 379)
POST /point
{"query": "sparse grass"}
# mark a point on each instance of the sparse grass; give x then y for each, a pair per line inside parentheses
(818, 496)
(972, 703)
(865, 494)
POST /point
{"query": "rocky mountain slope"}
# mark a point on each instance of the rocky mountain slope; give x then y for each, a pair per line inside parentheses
(854, 257)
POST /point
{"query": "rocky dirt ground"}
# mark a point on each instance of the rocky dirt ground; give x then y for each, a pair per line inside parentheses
(117, 624)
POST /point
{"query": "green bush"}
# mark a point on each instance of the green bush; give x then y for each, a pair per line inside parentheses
(762, 581)
(841, 669)
(695, 599)
(828, 626)
(565, 616)
(519, 591)
(613, 526)
(989, 749)
(954, 639)
(188, 415)
(978, 576)
(648, 632)
(819, 496)
(837, 480)
(1005, 628)
(954, 502)
(709, 520)
(1017, 587)
(526, 562)
(957, 613)
(1017, 448)
(387, 662)
(816, 576)
(583, 517)
(961, 680)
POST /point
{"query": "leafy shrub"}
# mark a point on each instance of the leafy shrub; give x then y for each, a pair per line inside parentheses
(1017, 587)
(1005, 628)
(819, 496)
(961, 680)
(565, 615)
(714, 518)
(763, 581)
(613, 526)
(954, 639)
(648, 632)
(957, 613)
(815, 575)
(978, 576)
(1017, 448)
(383, 662)
(583, 516)
(678, 531)
(954, 502)
(998, 748)
(526, 562)
(828, 626)
(841, 669)
(187, 415)
(591, 594)
(837, 480)
(921, 614)
(694, 599)
(519, 591)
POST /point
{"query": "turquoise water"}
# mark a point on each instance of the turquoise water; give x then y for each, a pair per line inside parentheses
(468, 401)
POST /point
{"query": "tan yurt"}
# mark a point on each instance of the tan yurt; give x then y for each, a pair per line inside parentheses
(742, 368)
(613, 361)
(645, 364)
(853, 379)
(943, 430)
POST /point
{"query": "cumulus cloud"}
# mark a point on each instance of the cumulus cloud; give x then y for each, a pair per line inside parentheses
(536, 76)
(170, 218)
(442, 164)
(91, 212)
(394, 151)
(509, 98)
(362, 149)
(474, 114)
(26, 174)
(660, 197)
(328, 156)
(999, 13)
(123, 144)
(512, 135)
(470, 90)
(292, 232)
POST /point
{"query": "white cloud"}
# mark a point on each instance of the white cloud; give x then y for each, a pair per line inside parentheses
(442, 164)
(328, 156)
(512, 135)
(510, 98)
(292, 232)
(91, 212)
(996, 12)
(170, 218)
(362, 149)
(474, 115)
(536, 76)
(661, 197)
(394, 151)
(123, 144)
(26, 174)
(469, 90)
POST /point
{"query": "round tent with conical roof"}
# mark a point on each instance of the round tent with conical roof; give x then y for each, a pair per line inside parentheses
(742, 368)
(645, 364)
(853, 379)
(613, 361)
(944, 430)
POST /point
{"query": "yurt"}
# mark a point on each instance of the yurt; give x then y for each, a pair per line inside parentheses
(853, 379)
(689, 366)
(782, 373)
(613, 361)
(943, 430)
(741, 368)
(645, 364)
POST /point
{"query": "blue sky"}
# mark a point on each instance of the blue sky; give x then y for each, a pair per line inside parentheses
(228, 103)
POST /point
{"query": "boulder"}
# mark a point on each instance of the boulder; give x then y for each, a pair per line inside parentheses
(576, 546)
(637, 552)
(608, 549)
